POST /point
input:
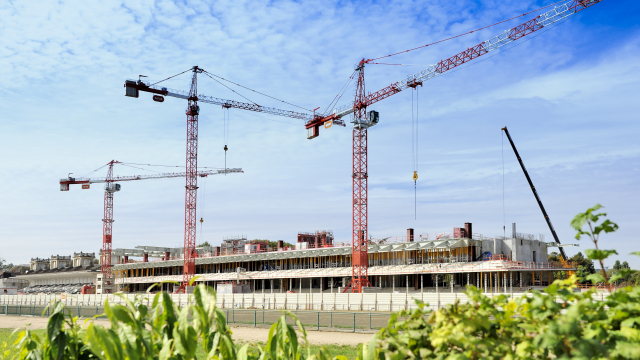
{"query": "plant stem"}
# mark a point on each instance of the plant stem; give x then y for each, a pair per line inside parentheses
(604, 273)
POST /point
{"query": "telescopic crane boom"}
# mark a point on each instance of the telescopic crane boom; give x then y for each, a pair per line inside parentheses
(535, 194)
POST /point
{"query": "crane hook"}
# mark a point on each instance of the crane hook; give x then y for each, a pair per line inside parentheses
(415, 176)
(201, 221)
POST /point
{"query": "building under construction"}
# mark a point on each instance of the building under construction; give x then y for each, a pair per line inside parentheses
(319, 264)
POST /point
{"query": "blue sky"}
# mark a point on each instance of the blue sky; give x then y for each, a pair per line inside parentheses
(569, 97)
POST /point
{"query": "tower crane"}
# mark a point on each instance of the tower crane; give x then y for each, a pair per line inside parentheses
(362, 120)
(111, 187)
(133, 88)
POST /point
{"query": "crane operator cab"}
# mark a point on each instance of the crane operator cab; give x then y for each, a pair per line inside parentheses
(111, 187)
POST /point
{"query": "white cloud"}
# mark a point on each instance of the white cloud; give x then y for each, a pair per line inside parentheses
(63, 66)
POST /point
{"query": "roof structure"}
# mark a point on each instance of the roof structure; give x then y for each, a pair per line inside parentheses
(305, 253)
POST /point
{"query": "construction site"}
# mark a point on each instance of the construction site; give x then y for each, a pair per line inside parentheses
(316, 262)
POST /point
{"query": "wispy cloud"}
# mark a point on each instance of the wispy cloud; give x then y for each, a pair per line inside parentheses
(569, 96)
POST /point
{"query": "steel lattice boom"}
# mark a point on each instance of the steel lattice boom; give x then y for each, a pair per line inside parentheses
(138, 85)
(552, 16)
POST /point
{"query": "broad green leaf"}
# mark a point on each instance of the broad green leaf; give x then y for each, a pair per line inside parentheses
(242, 353)
(596, 278)
(594, 254)
(54, 325)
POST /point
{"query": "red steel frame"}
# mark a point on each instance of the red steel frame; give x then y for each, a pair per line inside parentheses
(191, 187)
(107, 223)
(359, 255)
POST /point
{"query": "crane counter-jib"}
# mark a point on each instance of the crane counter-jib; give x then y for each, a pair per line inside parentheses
(64, 183)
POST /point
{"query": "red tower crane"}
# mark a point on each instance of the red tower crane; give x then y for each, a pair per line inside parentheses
(111, 187)
(361, 122)
(133, 89)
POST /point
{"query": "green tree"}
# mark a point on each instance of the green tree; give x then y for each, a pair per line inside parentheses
(206, 243)
(585, 267)
(617, 265)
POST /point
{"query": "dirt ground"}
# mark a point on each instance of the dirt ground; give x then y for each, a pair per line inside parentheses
(33, 322)
(240, 333)
(252, 335)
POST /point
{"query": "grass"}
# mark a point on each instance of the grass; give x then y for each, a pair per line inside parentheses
(8, 338)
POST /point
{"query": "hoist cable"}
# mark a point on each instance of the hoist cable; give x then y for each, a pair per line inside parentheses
(170, 77)
(340, 93)
(246, 98)
(466, 33)
(135, 167)
(257, 92)
(171, 166)
(504, 216)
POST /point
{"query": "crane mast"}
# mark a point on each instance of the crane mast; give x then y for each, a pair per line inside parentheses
(191, 187)
(107, 221)
(359, 254)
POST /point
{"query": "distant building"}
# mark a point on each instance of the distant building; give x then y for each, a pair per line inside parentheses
(83, 259)
(10, 285)
(60, 274)
(59, 262)
(39, 264)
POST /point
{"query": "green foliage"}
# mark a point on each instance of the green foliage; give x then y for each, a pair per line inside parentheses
(559, 323)
(585, 267)
(206, 243)
(274, 244)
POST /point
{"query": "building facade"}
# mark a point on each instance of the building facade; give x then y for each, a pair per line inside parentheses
(424, 261)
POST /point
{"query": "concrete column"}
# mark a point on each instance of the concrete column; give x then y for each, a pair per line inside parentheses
(300, 285)
(520, 278)
(452, 278)
(437, 290)
(511, 282)
(421, 284)
(468, 276)
(331, 285)
(271, 286)
(281, 284)
(407, 278)
(505, 282)
(485, 282)
(263, 286)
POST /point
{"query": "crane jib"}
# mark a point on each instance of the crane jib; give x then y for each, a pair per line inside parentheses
(133, 89)
(550, 17)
